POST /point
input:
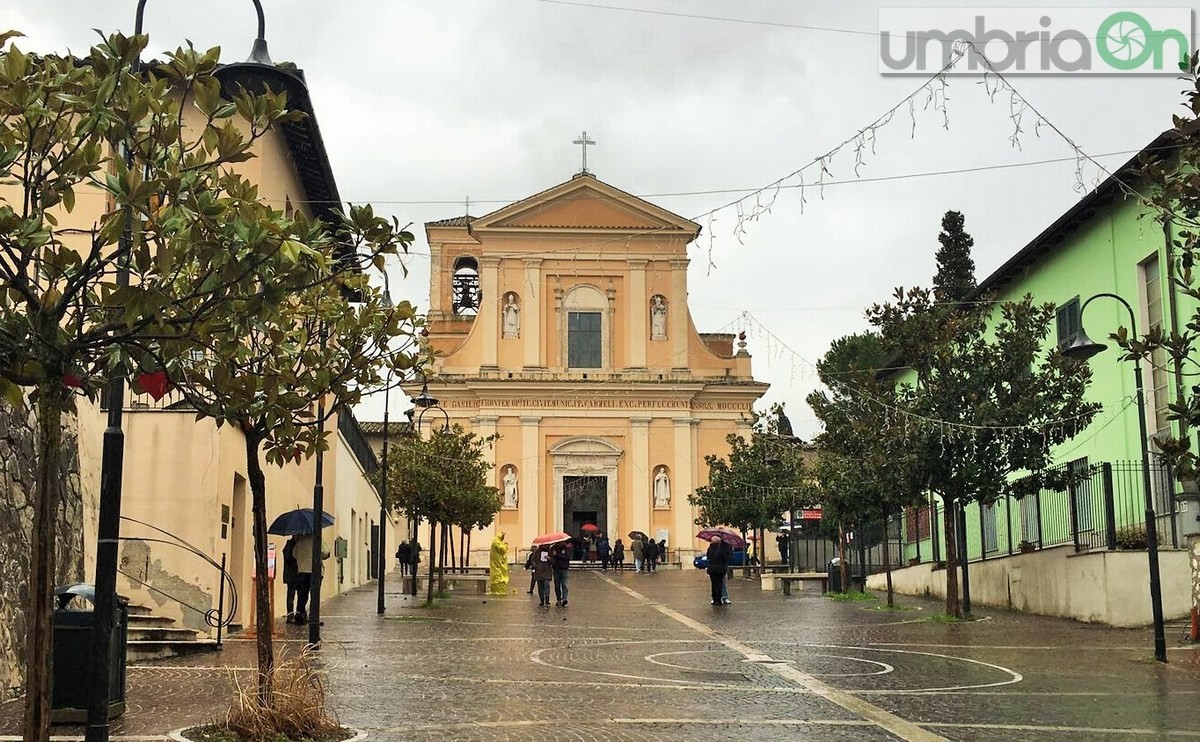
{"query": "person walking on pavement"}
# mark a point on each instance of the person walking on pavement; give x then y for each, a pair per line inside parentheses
(531, 564)
(618, 556)
(718, 563)
(415, 557)
(304, 555)
(639, 551)
(291, 574)
(662, 551)
(604, 551)
(728, 574)
(782, 542)
(404, 556)
(560, 555)
(543, 571)
(650, 554)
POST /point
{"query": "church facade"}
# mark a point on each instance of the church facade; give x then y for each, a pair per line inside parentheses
(560, 322)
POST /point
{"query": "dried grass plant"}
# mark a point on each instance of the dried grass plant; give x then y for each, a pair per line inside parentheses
(297, 710)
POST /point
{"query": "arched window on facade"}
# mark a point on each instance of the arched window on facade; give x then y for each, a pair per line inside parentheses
(585, 328)
(465, 287)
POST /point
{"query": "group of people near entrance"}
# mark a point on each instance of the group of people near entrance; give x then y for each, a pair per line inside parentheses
(648, 554)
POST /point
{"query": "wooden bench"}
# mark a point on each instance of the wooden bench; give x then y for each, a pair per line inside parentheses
(784, 580)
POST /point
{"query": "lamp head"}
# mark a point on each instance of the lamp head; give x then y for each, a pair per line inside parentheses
(1083, 347)
(259, 74)
(425, 400)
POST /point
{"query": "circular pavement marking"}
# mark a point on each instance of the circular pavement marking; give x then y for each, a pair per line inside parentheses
(539, 656)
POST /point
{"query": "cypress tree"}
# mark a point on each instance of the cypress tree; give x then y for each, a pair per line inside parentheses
(955, 279)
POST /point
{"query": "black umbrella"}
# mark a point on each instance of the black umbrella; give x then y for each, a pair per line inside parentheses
(65, 593)
(638, 534)
(298, 522)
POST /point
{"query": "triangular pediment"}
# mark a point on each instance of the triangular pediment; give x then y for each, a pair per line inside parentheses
(584, 203)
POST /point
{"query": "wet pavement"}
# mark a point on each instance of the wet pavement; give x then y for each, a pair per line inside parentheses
(645, 657)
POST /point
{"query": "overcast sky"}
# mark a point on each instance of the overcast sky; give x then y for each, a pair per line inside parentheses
(692, 103)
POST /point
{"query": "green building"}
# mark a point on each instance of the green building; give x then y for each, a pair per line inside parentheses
(1077, 553)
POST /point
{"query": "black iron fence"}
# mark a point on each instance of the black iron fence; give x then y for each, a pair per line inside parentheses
(351, 431)
(1086, 507)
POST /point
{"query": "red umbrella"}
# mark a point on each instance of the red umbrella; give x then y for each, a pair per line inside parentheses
(728, 537)
(590, 528)
(551, 538)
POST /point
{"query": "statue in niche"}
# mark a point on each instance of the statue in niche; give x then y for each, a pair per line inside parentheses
(510, 486)
(658, 319)
(512, 316)
(662, 488)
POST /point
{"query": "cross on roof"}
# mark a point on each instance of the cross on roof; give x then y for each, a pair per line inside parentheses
(584, 141)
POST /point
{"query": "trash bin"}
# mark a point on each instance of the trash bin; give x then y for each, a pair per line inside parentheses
(833, 572)
(70, 647)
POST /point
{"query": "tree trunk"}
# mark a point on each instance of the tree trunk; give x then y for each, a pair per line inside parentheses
(887, 565)
(467, 551)
(432, 562)
(950, 526)
(843, 566)
(40, 605)
(442, 559)
(450, 547)
(263, 620)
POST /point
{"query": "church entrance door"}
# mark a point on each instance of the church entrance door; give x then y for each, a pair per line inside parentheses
(585, 500)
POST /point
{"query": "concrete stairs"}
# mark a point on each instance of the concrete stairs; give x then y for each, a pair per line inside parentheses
(152, 637)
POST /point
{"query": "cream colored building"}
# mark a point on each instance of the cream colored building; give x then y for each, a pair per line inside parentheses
(185, 490)
(189, 477)
(561, 323)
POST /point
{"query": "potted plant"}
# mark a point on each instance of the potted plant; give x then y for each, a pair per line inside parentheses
(1028, 547)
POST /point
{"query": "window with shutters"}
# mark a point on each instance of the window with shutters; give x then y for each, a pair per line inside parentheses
(1068, 322)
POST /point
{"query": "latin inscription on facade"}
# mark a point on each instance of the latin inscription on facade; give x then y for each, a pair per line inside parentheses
(616, 404)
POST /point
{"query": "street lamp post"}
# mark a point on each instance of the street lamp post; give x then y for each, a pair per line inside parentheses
(260, 71)
(1081, 349)
(318, 548)
(383, 492)
(426, 402)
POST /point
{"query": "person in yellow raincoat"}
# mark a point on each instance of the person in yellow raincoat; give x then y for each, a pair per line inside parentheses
(498, 572)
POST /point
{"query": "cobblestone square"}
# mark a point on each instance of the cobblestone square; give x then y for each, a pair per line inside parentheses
(645, 657)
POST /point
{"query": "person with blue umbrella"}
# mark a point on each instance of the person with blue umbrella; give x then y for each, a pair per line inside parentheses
(298, 524)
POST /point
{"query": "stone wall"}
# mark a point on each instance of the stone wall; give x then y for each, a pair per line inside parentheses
(17, 466)
(1110, 587)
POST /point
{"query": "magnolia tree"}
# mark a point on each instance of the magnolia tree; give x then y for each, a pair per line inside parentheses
(182, 254)
(761, 478)
(989, 397)
(268, 374)
(868, 471)
(442, 479)
(1173, 198)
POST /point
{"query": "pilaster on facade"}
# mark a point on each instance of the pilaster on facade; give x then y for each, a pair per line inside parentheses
(611, 323)
(639, 312)
(639, 449)
(532, 311)
(488, 321)
(485, 425)
(684, 483)
(560, 362)
(435, 280)
(532, 476)
(677, 319)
